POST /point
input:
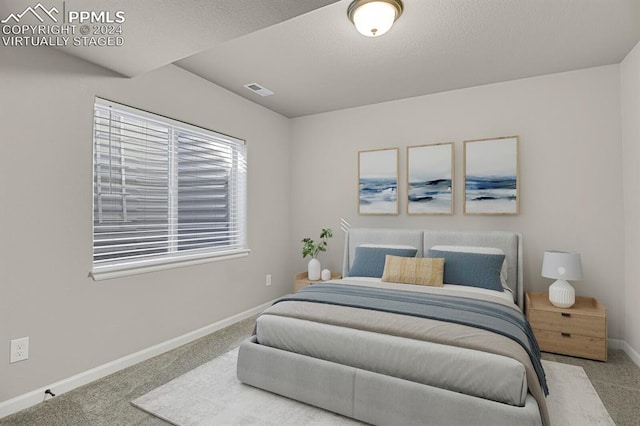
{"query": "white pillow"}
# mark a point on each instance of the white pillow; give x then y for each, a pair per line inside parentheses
(483, 250)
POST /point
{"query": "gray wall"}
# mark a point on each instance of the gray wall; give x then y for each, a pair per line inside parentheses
(630, 89)
(570, 169)
(74, 323)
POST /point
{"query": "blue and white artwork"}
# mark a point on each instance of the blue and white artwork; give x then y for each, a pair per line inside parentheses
(430, 179)
(378, 181)
(491, 176)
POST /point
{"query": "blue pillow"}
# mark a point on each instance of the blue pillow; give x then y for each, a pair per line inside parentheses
(471, 269)
(369, 261)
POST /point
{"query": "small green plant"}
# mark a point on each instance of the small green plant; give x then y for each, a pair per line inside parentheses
(310, 248)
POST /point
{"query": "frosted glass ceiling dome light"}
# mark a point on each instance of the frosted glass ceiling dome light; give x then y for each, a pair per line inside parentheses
(373, 18)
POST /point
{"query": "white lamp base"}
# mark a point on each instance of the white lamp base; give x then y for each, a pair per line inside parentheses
(561, 294)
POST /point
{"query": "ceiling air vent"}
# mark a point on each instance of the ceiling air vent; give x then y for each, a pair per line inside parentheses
(255, 87)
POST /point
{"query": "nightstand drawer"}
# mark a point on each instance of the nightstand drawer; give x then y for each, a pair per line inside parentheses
(566, 322)
(572, 344)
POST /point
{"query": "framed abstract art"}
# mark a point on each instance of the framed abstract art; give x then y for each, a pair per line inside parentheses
(378, 182)
(491, 176)
(430, 174)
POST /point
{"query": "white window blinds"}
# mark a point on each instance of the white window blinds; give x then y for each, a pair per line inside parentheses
(165, 192)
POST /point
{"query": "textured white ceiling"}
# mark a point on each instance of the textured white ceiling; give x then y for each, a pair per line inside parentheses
(311, 56)
(317, 62)
(159, 32)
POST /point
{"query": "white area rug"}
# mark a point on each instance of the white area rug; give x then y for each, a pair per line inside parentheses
(572, 399)
(212, 395)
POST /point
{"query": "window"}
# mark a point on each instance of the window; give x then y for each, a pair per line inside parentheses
(164, 192)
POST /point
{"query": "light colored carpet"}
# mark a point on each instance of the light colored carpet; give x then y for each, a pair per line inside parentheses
(212, 395)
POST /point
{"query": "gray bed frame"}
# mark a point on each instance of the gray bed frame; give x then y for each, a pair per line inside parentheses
(376, 398)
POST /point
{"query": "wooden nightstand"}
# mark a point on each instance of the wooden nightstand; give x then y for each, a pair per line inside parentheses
(301, 280)
(580, 330)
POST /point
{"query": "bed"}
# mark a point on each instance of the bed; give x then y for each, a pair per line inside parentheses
(377, 349)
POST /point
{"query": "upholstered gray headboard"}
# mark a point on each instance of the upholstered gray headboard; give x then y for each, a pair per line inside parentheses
(359, 236)
(423, 240)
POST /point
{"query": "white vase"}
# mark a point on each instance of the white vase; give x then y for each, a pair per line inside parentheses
(313, 269)
(325, 275)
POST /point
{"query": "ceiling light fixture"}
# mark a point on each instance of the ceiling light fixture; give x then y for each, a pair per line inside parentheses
(373, 18)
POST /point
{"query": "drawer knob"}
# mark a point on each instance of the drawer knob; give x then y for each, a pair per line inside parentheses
(566, 334)
(564, 314)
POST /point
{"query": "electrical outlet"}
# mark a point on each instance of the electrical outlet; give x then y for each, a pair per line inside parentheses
(268, 281)
(19, 349)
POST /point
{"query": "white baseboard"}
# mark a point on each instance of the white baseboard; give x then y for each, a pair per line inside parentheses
(615, 343)
(37, 396)
(623, 345)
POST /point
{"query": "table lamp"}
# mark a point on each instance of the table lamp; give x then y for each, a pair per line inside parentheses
(562, 266)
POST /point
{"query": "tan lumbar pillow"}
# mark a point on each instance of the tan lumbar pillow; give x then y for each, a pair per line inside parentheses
(414, 270)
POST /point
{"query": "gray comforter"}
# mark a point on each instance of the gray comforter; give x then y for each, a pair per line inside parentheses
(382, 319)
(490, 316)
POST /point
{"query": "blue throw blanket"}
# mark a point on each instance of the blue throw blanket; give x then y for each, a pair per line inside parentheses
(494, 317)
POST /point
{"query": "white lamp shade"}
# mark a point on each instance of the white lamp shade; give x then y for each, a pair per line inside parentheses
(562, 265)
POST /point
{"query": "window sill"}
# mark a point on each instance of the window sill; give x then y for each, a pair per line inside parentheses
(118, 271)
